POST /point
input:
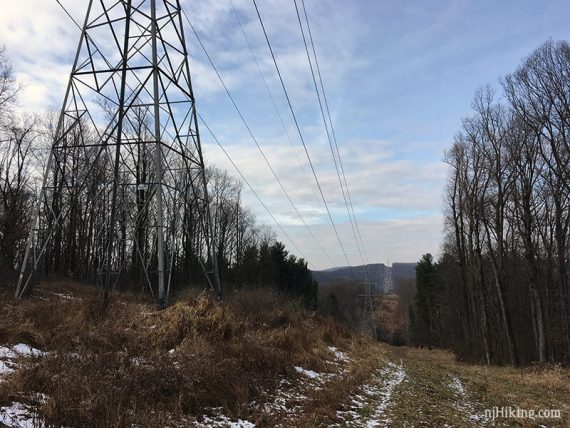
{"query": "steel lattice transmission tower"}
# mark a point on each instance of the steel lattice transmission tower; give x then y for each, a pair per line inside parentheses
(368, 323)
(127, 136)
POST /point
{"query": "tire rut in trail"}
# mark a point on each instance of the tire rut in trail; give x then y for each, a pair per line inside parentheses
(464, 405)
(431, 395)
(369, 407)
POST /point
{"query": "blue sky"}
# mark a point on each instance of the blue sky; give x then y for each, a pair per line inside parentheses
(399, 76)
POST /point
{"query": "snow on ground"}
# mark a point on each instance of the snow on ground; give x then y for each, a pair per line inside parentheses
(289, 399)
(19, 415)
(463, 405)
(339, 355)
(223, 421)
(19, 350)
(65, 296)
(23, 350)
(309, 373)
(6, 367)
(374, 398)
(286, 399)
(10, 353)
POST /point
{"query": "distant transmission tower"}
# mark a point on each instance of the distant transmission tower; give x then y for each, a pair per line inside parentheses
(127, 137)
(368, 322)
(388, 280)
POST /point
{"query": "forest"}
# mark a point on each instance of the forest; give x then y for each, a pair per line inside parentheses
(500, 292)
(248, 254)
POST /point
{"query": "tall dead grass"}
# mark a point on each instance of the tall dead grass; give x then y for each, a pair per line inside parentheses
(139, 366)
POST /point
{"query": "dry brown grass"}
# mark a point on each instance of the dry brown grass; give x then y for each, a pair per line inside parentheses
(137, 365)
(322, 406)
(531, 388)
(391, 320)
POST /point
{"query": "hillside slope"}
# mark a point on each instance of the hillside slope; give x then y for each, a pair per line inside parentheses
(199, 363)
(376, 273)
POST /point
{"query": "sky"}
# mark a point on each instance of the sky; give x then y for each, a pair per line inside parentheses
(399, 76)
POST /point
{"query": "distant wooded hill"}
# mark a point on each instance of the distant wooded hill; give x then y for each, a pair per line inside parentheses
(376, 274)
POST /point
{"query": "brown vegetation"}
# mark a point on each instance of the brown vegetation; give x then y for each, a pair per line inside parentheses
(342, 300)
(390, 318)
(426, 395)
(144, 367)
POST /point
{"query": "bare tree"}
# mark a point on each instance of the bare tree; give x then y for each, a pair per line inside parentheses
(16, 194)
(539, 93)
(9, 88)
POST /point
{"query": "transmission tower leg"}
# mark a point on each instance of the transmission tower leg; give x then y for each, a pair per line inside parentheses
(158, 163)
(24, 281)
(21, 286)
(112, 221)
(211, 239)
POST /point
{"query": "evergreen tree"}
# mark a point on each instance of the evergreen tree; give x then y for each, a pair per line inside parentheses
(426, 303)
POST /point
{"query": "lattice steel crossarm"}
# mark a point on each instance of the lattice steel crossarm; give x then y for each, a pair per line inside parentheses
(126, 144)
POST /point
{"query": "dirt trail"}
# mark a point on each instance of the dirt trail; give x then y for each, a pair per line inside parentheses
(410, 388)
(328, 376)
(421, 388)
(368, 407)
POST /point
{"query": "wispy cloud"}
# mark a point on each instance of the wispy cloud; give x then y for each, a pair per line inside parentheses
(399, 75)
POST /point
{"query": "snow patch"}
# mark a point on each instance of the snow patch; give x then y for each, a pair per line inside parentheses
(309, 373)
(457, 386)
(376, 395)
(19, 415)
(223, 421)
(339, 355)
(9, 355)
(23, 350)
(220, 420)
(65, 296)
(462, 403)
(19, 350)
(6, 367)
(285, 400)
(6, 352)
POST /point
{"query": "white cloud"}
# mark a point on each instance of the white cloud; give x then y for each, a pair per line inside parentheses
(38, 36)
(392, 240)
(395, 197)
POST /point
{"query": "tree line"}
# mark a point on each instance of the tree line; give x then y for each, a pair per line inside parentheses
(248, 253)
(500, 291)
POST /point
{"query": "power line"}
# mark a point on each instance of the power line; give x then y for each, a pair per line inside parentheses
(332, 129)
(301, 135)
(232, 99)
(68, 14)
(327, 130)
(282, 122)
(271, 97)
(251, 188)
